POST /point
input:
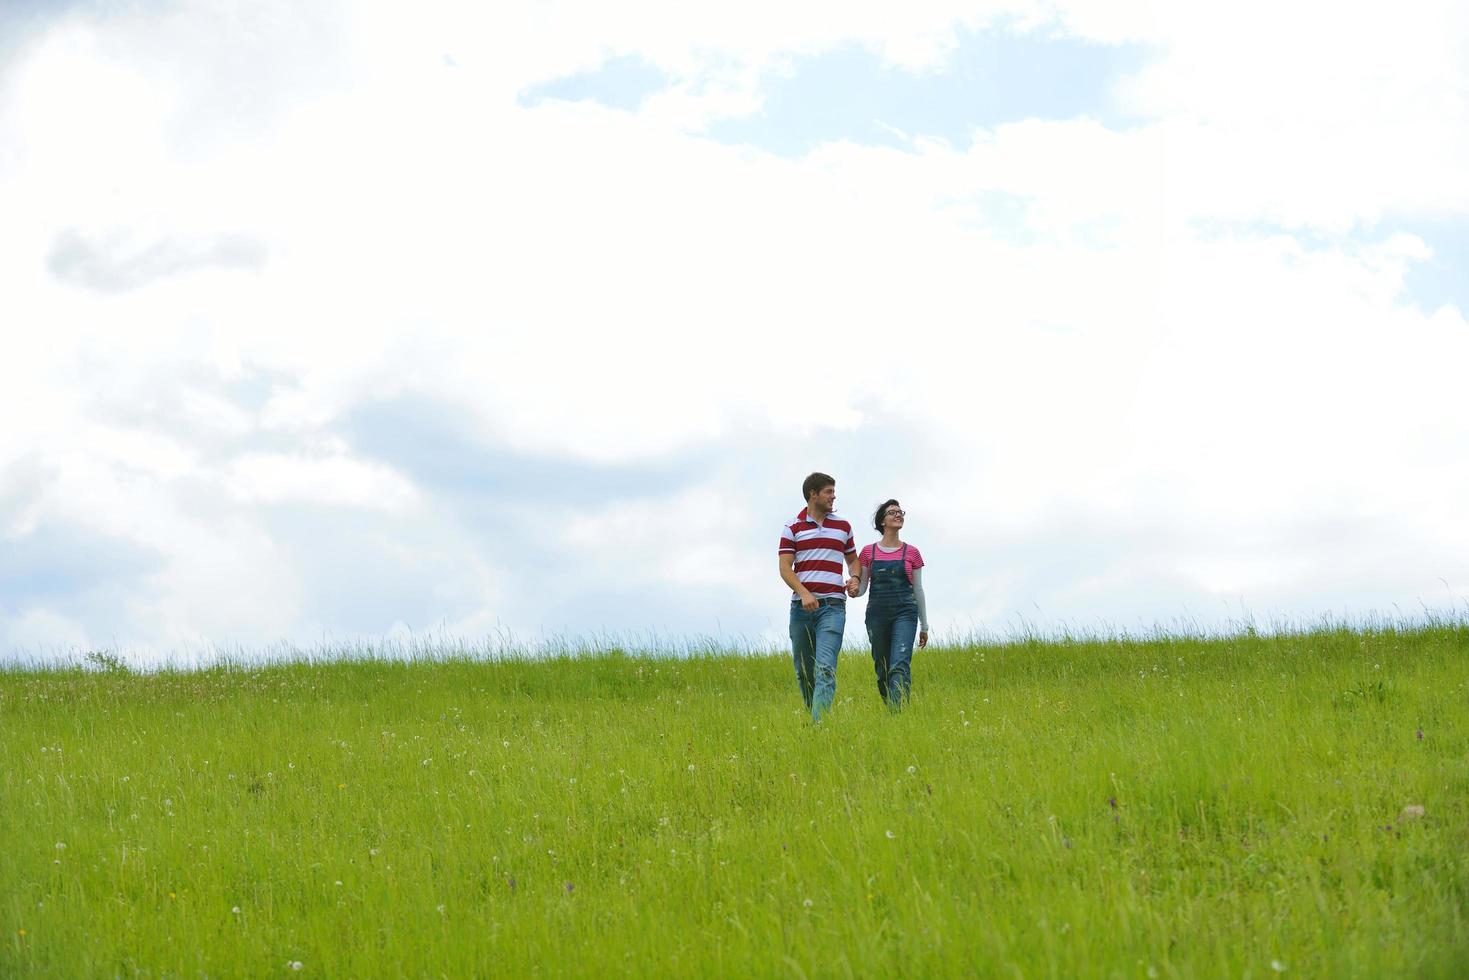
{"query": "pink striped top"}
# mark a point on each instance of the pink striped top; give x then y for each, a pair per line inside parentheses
(914, 562)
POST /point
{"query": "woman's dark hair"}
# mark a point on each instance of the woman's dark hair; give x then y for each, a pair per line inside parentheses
(880, 513)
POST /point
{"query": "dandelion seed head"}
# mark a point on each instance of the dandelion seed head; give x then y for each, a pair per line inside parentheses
(891, 835)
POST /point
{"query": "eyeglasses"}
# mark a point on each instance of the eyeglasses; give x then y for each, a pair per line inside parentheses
(897, 513)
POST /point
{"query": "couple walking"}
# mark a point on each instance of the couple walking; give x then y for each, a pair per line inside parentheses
(813, 548)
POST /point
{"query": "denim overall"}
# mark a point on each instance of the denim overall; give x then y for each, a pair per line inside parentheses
(892, 624)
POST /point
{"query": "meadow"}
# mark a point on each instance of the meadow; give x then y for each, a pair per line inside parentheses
(1246, 806)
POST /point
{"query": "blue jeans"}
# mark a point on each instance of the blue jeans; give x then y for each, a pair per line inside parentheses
(816, 639)
(892, 628)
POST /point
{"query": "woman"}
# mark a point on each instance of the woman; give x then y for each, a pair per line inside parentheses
(893, 568)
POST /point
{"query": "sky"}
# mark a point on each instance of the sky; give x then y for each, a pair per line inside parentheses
(330, 323)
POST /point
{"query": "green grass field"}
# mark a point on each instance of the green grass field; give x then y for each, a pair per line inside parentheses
(1163, 807)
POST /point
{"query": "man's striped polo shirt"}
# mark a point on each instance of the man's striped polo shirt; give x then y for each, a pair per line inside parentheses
(818, 551)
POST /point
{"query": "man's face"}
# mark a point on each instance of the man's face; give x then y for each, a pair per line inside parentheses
(825, 499)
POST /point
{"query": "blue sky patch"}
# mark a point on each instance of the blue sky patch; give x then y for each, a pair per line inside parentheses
(990, 79)
(1444, 278)
(621, 83)
(849, 93)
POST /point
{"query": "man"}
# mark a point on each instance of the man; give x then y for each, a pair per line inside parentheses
(812, 548)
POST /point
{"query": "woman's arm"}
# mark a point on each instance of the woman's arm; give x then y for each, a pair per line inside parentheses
(922, 604)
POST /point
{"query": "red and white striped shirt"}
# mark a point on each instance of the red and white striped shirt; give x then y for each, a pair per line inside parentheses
(818, 551)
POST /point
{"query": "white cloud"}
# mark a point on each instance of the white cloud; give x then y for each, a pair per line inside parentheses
(43, 635)
(330, 480)
(1313, 114)
(662, 541)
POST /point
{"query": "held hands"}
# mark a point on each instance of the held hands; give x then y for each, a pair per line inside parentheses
(854, 585)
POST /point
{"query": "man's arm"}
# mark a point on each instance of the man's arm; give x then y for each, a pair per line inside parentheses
(853, 570)
(788, 576)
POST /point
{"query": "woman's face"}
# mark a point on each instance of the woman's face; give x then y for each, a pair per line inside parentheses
(892, 518)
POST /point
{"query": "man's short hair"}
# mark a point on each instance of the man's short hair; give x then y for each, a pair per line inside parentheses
(815, 483)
